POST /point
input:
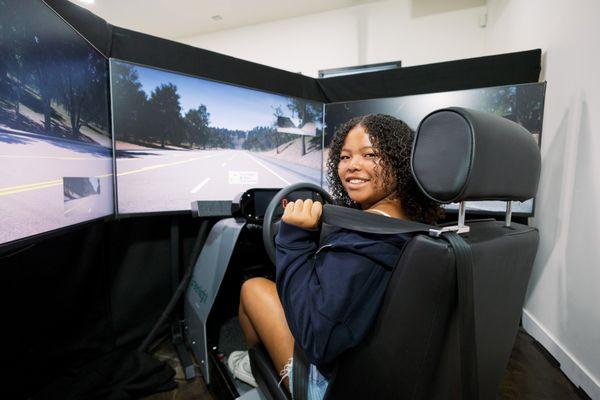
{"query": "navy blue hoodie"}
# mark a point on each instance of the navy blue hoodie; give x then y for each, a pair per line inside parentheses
(331, 293)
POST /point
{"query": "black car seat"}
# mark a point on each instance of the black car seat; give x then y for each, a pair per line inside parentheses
(451, 311)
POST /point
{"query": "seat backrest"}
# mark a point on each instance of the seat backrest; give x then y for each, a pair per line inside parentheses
(413, 350)
(502, 263)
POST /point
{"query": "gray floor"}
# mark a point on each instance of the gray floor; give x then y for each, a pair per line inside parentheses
(532, 373)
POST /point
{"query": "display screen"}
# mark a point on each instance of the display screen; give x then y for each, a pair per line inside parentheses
(180, 139)
(523, 104)
(55, 147)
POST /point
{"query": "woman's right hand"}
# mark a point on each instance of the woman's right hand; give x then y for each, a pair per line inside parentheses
(303, 213)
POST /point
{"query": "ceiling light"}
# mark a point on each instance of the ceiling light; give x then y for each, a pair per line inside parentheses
(87, 1)
(216, 18)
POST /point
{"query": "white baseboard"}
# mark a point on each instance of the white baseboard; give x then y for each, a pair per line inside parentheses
(576, 372)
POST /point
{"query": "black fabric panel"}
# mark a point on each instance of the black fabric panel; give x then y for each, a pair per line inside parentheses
(56, 310)
(89, 25)
(141, 281)
(123, 374)
(497, 70)
(88, 294)
(112, 41)
(150, 50)
(140, 48)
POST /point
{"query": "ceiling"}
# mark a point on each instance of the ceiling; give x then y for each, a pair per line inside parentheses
(175, 19)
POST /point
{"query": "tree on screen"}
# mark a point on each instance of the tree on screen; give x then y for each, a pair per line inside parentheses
(315, 111)
(81, 87)
(95, 108)
(166, 114)
(298, 107)
(223, 138)
(197, 122)
(274, 138)
(277, 112)
(51, 71)
(43, 60)
(261, 138)
(499, 101)
(307, 112)
(13, 38)
(530, 107)
(131, 110)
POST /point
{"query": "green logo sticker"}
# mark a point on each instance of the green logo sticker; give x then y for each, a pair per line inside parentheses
(201, 293)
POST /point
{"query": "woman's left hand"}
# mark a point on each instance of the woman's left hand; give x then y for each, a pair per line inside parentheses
(303, 213)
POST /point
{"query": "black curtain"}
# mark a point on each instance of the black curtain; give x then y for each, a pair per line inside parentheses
(112, 41)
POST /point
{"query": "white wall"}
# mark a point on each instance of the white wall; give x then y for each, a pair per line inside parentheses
(563, 302)
(372, 33)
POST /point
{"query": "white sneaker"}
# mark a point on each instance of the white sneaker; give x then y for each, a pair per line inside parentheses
(239, 365)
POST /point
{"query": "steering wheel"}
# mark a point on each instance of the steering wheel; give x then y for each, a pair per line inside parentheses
(271, 227)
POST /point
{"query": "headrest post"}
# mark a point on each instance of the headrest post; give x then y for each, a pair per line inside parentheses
(508, 216)
(459, 228)
(461, 215)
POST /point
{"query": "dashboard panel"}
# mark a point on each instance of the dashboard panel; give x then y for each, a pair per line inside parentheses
(253, 203)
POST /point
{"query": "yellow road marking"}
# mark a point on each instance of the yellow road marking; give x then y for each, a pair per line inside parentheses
(47, 157)
(25, 188)
(42, 185)
(31, 184)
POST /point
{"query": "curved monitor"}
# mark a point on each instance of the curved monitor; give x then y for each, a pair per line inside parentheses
(523, 104)
(180, 139)
(55, 146)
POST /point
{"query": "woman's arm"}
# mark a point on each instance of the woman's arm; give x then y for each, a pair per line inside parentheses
(330, 295)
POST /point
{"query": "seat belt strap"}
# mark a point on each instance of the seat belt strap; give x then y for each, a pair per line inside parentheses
(469, 371)
(300, 374)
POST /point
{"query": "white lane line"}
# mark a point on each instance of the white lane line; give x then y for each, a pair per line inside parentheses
(151, 167)
(267, 168)
(194, 190)
(224, 164)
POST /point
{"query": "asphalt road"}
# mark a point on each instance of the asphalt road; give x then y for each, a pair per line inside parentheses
(169, 180)
(32, 168)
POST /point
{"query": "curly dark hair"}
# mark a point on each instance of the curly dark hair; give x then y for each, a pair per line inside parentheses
(392, 139)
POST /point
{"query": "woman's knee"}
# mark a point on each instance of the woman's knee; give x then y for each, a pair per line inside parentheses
(256, 288)
(259, 295)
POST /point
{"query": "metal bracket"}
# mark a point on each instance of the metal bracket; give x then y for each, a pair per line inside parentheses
(508, 215)
(453, 228)
(460, 228)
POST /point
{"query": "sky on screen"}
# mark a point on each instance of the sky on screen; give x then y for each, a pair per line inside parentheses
(230, 107)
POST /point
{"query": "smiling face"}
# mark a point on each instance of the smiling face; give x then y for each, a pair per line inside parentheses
(360, 169)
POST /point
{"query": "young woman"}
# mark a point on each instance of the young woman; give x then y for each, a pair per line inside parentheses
(327, 294)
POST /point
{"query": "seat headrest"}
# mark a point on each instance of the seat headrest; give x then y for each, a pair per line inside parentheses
(461, 154)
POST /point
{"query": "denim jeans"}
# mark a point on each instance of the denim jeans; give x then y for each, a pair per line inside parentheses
(317, 383)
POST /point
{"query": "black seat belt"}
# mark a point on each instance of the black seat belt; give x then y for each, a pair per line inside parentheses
(300, 374)
(356, 220)
(469, 372)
